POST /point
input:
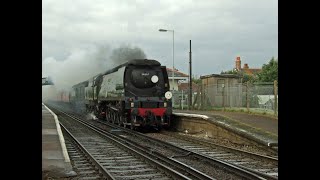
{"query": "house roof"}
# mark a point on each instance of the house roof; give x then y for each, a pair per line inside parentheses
(251, 71)
(185, 86)
(220, 75)
(176, 73)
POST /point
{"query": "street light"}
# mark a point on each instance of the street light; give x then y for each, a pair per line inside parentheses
(165, 30)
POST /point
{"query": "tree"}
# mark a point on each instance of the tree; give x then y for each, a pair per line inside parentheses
(229, 72)
(269, 71)
(196, 80)
(245, 77)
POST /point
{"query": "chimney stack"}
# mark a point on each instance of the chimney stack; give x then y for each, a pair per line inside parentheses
(245, 66)
(238, 63)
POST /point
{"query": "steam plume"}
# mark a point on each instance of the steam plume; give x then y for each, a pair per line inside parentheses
(83, 64)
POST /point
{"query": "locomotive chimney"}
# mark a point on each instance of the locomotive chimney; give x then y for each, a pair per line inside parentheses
(238, 63)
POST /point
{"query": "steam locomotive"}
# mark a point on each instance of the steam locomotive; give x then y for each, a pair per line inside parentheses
(134, 94)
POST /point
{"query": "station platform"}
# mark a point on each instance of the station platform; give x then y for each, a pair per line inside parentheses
(55, 158)
(259, 128)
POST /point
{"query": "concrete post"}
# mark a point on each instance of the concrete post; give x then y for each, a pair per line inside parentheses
(248, 98)
(275, 84)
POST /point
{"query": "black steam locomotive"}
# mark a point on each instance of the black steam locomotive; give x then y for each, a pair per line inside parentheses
(134, 94)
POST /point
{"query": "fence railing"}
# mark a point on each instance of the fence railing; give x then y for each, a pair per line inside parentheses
(250, 97)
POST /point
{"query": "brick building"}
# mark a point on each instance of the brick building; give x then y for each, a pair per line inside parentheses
(245, 69)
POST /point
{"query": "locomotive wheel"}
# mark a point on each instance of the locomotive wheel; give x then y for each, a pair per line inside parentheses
(117, 119)
(109, 115)
(113, 117)
(114, 120)
(124, 120)
(120, 121)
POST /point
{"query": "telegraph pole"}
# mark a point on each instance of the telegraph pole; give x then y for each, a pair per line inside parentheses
(190, 79)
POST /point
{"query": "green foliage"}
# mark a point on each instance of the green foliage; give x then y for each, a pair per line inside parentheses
(229, 72)
(196, 80)
(247, 78)
(269, 71)
(253, 101)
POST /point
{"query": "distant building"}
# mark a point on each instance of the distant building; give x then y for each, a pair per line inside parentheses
(245, 69)
(184, 86)
(181, 88)
(178, 76)
(222, 89)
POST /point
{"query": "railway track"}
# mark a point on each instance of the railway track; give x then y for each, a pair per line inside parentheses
(266, 166)
(262, 165)
(186, 158)
(83, 163)
(114, 159)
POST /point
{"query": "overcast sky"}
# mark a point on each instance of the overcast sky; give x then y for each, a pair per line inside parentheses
(219, 30)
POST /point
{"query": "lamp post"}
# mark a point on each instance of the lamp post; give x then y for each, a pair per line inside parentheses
(165, 30)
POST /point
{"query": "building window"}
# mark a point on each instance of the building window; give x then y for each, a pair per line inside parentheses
(220, 85)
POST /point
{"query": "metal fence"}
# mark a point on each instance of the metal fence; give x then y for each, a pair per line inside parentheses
(181, 99)
(250, 97)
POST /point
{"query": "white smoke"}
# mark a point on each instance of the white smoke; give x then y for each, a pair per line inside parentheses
(91, 116)
(83, 64)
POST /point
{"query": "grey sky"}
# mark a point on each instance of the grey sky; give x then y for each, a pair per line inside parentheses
(219, 29)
